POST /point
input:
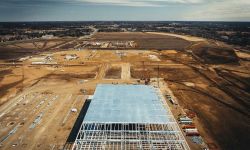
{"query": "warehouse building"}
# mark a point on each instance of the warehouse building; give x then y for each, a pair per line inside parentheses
(129, 117)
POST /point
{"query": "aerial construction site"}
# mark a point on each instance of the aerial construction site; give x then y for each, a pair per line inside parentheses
(124, 90)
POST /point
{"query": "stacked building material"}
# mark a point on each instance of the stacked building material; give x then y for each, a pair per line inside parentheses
(185, 120)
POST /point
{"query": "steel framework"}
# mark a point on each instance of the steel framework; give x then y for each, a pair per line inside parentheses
(132, 136)
(129, 136)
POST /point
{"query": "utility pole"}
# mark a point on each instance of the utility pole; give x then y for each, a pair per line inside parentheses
(22, 77)
(144, 71)
(158, 75)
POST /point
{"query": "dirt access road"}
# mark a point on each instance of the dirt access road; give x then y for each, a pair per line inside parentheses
(126, 71)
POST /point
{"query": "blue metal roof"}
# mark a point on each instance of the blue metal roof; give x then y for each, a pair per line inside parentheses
(126, 104)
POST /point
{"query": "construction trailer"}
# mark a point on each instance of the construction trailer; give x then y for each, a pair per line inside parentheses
(122, 117)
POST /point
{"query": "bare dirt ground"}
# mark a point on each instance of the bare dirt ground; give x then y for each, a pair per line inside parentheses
(185, 37)
(36, 100)
(145, 40)
(15, 50)
(113, 73)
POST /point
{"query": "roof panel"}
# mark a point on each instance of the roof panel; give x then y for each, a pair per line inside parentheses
(126, 104)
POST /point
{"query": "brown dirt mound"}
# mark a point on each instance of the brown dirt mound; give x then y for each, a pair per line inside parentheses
(215, 55)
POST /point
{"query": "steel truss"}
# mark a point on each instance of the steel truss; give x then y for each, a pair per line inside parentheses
(129, 136)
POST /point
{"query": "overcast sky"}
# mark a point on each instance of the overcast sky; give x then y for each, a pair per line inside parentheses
(127, 10)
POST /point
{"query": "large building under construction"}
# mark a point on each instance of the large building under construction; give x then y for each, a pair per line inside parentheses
(129, 117)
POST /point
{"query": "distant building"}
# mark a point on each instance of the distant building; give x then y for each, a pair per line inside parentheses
(225, 37)
(47, 36)
(71, 57)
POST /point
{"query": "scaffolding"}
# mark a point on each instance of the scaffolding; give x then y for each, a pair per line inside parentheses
(160, 131)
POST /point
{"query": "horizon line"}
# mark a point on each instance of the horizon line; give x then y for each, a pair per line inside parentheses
(124, 21)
